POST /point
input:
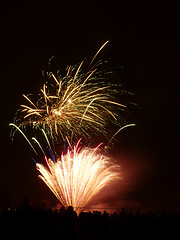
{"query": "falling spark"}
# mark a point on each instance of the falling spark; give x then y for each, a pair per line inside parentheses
(78, 175)
(12, 124)
(128, 125)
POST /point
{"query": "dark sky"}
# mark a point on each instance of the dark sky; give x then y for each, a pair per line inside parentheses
(144, 43)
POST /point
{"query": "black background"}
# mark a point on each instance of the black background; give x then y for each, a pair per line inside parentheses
(144, 43)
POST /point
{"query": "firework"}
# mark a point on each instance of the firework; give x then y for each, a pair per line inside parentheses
(78, 104)
(78, 175)
(68, 107)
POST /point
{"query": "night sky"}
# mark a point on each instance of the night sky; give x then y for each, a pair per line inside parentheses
(144, 44)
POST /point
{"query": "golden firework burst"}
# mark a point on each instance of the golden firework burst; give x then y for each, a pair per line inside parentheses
(78, 104)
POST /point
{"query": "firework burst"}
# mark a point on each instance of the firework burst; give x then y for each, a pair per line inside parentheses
(78, 104)
(78, 175)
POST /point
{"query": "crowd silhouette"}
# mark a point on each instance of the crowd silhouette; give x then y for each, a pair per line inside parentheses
(31, 223)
